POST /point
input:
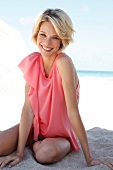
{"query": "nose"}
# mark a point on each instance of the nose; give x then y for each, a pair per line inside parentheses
(48, 41)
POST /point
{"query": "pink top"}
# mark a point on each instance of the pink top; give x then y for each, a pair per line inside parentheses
(47, 100)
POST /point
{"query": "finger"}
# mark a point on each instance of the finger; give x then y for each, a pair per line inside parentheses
(110, 160)
(16, 161)
(110, 165)
(6, 161)
(107, 163)
(1, 160)
(2, 163)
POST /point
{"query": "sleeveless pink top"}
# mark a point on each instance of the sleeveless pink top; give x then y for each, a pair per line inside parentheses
(47, 100)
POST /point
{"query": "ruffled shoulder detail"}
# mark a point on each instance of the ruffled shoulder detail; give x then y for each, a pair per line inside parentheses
(30, 67)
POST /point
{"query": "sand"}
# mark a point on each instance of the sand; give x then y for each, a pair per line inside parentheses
(101, 145)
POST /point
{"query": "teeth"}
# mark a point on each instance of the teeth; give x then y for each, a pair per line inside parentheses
(46, 48)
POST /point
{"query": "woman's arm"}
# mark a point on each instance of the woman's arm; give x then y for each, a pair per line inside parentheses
(69, 80)
(25, 123)
(24, 129)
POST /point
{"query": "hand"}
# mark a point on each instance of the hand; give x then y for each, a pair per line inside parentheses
(105, 161)
(11, 159)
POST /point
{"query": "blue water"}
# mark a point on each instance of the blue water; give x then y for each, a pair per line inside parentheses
(103, 74)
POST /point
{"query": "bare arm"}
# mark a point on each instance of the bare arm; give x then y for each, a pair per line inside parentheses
(25, 123)
(69, 81)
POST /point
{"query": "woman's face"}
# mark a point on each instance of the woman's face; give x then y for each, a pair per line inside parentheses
(48, 41)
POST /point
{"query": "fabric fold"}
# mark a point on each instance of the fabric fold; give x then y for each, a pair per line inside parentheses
(46, 96)
(30, 67)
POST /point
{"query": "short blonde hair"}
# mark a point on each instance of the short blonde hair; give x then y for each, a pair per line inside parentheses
(61, 23)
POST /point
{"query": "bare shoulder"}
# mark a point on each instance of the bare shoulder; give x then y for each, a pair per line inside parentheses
(66, 67)
(64, 59)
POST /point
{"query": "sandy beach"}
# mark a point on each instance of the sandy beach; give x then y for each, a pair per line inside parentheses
(101, 145)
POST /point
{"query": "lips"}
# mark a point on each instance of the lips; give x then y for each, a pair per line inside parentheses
(47, 49)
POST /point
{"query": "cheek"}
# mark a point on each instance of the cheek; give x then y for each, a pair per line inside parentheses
(57, 43)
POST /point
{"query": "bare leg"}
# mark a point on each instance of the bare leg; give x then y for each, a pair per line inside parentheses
(51, 150)
(9, 140)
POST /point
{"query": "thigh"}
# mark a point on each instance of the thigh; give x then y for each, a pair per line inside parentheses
(9, 140)
(51, 150)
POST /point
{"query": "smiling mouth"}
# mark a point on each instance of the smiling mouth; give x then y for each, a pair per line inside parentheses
(47, 49)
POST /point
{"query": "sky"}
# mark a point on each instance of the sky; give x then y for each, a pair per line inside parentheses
(92, 19)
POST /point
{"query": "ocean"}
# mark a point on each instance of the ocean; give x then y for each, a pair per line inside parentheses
(91, 73)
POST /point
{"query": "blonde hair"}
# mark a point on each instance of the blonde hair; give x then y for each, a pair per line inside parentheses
(61, 23)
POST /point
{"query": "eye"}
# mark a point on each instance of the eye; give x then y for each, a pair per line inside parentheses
(55, 38)
(43, 35)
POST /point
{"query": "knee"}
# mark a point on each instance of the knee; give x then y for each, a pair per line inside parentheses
(47, 154)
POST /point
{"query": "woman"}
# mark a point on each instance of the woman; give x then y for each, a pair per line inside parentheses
(50, 121)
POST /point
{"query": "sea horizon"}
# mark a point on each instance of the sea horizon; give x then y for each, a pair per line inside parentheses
(95, 73)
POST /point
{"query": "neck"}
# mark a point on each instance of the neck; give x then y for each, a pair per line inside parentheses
(48, 64)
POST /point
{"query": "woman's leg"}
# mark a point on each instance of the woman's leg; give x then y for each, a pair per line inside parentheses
(9, 140)
(51, 150)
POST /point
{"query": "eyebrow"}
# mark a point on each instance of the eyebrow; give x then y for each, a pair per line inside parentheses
(45, 33)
